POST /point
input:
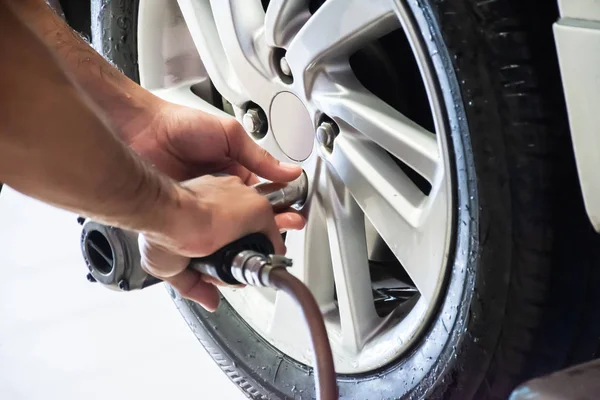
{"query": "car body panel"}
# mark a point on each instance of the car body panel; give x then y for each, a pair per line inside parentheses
(577, 36)
(580, 9)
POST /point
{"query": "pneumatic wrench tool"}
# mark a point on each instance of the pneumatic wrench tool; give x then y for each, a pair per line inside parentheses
(113, 260)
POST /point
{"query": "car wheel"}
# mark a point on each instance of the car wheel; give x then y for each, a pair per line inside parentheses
(446, 240)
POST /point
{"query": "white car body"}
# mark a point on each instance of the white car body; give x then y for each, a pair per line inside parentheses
(577, 35)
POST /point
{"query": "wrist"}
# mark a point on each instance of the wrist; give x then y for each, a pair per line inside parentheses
(130, 112)
(142, 199)
(162, 201)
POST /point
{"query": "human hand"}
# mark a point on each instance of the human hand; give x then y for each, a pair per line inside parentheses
(211, 212)
(186, 143)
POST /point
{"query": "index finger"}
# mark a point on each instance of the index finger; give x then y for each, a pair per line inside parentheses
(255, 158)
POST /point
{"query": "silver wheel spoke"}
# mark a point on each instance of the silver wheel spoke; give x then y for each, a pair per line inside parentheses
(309, 248)
(283, 19)
(426, 265)
(391, 201)
(239, 22)
(182, 94)
(201, 24)
(287, 318)
(339, 27)
(372, 117)
(346, 231)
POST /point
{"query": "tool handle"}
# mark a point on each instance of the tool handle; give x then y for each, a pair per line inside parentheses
(113, 259)
(216, 264)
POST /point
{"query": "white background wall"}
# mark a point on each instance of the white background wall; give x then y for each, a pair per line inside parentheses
(64, 338)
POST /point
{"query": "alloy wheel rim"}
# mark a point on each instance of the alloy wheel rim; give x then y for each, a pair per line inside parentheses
(242, 48)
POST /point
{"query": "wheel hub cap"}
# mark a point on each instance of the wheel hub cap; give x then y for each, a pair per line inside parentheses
(292, 126)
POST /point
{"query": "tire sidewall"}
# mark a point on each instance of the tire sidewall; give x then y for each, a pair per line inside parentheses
(114, 33)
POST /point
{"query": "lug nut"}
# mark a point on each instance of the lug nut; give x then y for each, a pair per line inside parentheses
(285, 67)
(326, 133)
(253, 122)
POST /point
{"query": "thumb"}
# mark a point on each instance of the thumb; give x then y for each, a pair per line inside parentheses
(243, 149)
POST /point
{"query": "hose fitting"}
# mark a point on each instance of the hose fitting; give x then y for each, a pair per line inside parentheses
(253, 268)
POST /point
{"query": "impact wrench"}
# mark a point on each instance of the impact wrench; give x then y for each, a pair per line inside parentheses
(113, 259)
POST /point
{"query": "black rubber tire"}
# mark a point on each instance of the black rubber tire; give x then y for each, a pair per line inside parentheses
(522, 285)
(114, 33)
(78, 13)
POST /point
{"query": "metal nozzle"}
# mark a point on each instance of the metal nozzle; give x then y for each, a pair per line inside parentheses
(285, 195)
(253, 268)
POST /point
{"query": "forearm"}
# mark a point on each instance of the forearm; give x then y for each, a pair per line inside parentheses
(55, 147)
(122, 100)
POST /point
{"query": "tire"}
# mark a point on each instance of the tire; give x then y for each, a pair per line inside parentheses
(77, 14)
(114, 28)
(522, 285)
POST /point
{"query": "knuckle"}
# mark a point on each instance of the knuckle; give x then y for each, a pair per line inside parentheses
(233, 179)
(233, 130)
(184, 291)
(267, 157)
(149, 269)
(267, 214)
(264, 205)
(231, 125)
(236, 179)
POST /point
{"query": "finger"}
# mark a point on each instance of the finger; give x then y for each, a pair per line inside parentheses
(239, 170)
(290, 220)
(255, 158)
(217, 282)
(252, 180)
(191, 285)
(158, 262)
(272, 232)
(219, 178)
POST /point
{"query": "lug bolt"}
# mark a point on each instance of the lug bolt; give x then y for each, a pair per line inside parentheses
(253, 122)
(285, 67)
(123, 285)
(326, 133)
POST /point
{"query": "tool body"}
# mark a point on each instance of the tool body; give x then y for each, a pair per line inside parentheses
(113, 259)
